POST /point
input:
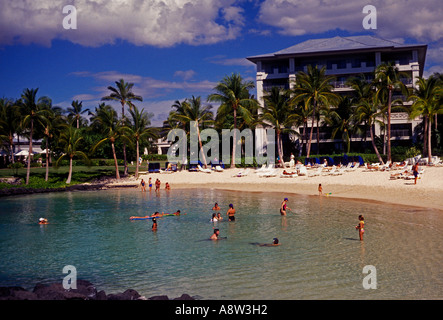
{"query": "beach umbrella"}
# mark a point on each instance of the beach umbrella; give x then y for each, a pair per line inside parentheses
(23, 153)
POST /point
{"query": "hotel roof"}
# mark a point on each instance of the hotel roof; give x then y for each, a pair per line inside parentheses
(337, 44)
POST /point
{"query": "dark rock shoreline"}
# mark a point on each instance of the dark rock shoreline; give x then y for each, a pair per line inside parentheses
(85, 291)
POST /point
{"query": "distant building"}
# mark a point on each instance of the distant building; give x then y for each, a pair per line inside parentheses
(343, 57)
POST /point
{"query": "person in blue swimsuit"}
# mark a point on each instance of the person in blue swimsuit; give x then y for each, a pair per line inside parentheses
(284, 207)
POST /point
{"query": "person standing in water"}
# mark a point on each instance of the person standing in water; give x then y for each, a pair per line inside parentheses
(284, 207)
(154, 224)
(231, 212)
(360, 226)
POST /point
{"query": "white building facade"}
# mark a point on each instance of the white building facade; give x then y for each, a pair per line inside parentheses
(344, 57)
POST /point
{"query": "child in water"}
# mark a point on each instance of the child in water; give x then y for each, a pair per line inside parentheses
(360, 226)
(154, 224)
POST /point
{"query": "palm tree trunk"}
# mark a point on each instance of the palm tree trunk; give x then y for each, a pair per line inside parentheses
(201, 146)
(125, 171)
(138, 162)
(47, 162)
(11, 148)
(389, 123)
(429, 140)
(68, 181)
(318, 136)
(234, 138)
(28, 170)
(280, 148)
(117, 174)
(374, 146)
(425, 135)
(308, 152)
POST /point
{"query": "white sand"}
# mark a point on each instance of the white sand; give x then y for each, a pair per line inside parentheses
(374, 186)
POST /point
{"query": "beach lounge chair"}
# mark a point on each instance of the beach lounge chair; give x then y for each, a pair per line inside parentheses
(219, 169)
(242, 173)
(356, 165)
(316, 172)
(200, 169)
(270, 173)
(303, 171)
(338, 172)
(285, 174)
(263, 168)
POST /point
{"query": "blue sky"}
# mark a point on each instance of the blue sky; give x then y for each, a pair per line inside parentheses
(173, 49)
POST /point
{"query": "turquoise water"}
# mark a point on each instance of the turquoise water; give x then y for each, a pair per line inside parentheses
(320, 256)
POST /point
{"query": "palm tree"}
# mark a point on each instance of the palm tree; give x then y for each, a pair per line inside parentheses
(277, 112)
(76, 111)
(105, 117)
(140, 130)
(233, 94)
(387, 78)
(189, 111)
(33, 111)
(52, 125)
(71, 139)
(9, 122)
(427, 103)
(368, 112)
(123, 93)
(341, 120)
(315, 88)
(303, 111)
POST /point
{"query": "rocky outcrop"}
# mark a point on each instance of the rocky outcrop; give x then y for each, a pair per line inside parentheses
(85, 291)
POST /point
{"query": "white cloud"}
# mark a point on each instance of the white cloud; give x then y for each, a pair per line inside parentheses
(161, 23)
(186, 75)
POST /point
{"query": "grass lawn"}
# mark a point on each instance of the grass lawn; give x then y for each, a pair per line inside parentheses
(58, 176)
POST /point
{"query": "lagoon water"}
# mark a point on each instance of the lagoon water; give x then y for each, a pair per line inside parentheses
(320, 256)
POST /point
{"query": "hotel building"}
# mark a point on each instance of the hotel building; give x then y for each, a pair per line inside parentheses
(344, 57)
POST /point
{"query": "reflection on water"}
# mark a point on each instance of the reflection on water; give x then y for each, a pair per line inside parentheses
(320, 256)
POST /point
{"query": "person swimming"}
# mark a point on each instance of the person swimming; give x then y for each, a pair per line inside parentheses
(154, 224)
(216, 207)
(43, 221)
(274, 243)
(215, 234)
(214, 217)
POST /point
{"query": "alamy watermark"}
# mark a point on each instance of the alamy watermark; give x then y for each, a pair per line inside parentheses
(370, 21)
(261, 147)
(70, 21)
(370, 281)
(70, 281)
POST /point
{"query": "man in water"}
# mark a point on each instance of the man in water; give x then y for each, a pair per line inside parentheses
(274, 243)
(215, 234)
(231, 212)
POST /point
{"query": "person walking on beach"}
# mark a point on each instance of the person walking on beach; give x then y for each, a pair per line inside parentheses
(415, 172)
(231, 212)
(360, 226)
(284, 207)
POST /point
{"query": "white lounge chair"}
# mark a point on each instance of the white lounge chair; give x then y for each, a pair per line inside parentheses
(242, 173)
(270, 173)
(338, 172)
(219, 169)
(316, 172)
(288, 175)
(263, 168)
(303, 171)
(203, 170)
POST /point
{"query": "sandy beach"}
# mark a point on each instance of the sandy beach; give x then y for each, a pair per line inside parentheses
(358, 184)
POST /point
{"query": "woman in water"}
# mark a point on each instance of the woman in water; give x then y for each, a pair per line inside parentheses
(143, 185)
(150, 184)
(284, 207)
(214, 217)
(231, 213)
(360, 226)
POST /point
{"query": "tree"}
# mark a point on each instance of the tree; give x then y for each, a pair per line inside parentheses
(314, 88)
(9, 123)
(232, 92)
(33, 111)
(387, 79)
(105, 118)
(427, 103)
(277, 112)
(191, 110)
(70, 140)
(75, 112)
(368, 112)
(123, 93)
(139, 129)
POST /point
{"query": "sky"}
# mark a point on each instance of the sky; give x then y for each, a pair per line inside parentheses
(175, 49)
